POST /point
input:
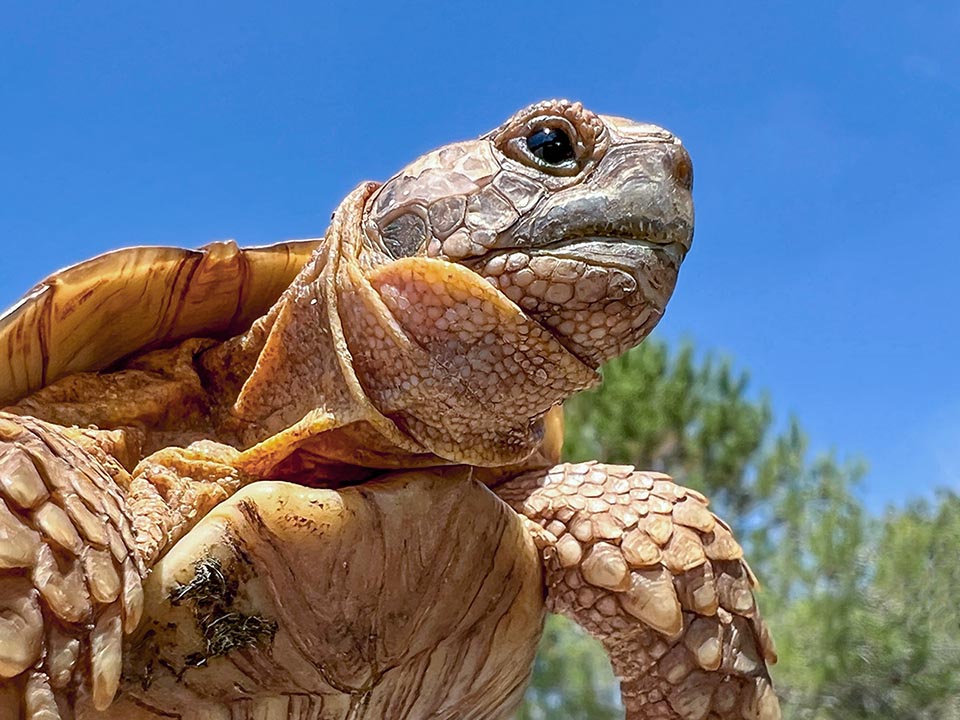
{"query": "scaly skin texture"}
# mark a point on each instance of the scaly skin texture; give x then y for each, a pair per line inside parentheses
(440, 322)
(643, 565)
(67, 564)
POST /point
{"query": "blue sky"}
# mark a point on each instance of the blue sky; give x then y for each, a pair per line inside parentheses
(825, 138)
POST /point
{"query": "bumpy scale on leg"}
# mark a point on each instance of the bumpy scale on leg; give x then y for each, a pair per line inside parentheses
(77, 533)
(70, 583)
(646, 568)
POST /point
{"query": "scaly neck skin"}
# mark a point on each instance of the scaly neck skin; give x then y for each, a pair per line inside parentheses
(398, 355)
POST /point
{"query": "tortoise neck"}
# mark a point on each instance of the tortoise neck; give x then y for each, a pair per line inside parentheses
(289, 385)
(380, 362)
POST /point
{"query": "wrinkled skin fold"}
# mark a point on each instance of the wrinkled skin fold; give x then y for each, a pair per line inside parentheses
(320, 479)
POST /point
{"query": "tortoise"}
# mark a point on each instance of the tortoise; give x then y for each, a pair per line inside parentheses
(321, 479)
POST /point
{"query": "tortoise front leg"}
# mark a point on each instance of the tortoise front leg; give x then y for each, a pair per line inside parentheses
(647, 569)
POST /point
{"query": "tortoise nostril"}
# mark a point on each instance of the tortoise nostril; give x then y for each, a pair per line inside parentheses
(681, 167)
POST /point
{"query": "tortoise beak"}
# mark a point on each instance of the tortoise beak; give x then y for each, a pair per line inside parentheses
(640, 191)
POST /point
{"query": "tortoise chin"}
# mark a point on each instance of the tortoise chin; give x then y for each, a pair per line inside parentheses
(618, 293)
(597, 294)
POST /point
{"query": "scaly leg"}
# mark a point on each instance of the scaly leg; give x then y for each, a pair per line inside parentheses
(78, 533)
(647, 569)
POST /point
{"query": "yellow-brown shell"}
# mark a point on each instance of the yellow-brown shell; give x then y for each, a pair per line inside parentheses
(90, 315)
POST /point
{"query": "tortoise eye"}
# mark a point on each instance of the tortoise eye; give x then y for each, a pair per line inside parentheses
(547, 142)
(551, 145)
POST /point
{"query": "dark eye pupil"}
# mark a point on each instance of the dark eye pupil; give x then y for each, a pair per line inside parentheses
(551, 145)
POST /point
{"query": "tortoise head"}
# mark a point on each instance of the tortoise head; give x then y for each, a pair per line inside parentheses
(580, 219)
(454, 305)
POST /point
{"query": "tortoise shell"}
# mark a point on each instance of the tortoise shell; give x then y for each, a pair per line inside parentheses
(91, 315)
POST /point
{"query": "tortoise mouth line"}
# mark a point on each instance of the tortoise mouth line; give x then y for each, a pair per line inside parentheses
(631, 255)
(651, 233)
(610, 243)
(604, 238)
(618, 249)
(672, 236)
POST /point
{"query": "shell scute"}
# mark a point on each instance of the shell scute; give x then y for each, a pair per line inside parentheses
(153, 296)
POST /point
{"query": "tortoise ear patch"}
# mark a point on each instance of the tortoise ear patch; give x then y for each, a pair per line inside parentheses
(405, 235)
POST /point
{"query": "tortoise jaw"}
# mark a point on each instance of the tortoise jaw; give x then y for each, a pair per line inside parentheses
(598, 295)
(617, 301)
